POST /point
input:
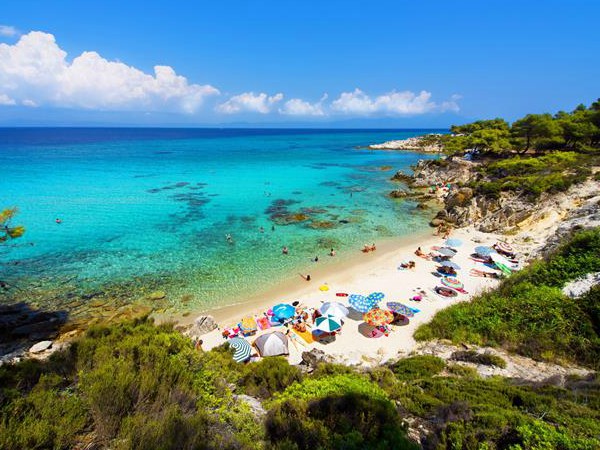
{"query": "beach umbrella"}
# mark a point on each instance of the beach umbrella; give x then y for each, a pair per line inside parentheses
(361, 303)
(445, 251)
(377, 296)
(498, 258)
(400, 309)
(453, 242)
(450, 264)
(452, 282)
(327, 323)
(272, 344)
(482, 250)
(378, 317)
(242, 349)
(504, 247)
(334, 309)
(283, 311)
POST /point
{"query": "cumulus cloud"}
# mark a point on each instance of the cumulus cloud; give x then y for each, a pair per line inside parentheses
(394, 103)
(6, 100)
(35, 72)
(8, 31)
(250, 102)
(299, 107)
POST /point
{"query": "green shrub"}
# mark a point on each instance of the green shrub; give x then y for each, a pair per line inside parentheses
(462, 371)
(350, 421)
(418, 367)
(268, 376)
(335, 385)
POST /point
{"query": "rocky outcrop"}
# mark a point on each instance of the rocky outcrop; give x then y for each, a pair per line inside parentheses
(415, 144)
(506, 212)
(200, 326)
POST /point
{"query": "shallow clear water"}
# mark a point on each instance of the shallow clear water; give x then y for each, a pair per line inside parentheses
(159, 203)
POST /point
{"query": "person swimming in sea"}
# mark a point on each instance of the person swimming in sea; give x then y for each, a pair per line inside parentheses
(57, 220)
(285, 250)
(229, 238)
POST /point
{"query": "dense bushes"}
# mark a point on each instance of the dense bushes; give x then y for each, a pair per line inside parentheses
(529, 314)
(532, 176)
(350, 421)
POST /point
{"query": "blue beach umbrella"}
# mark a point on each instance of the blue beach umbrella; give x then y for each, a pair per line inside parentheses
(283, 311)
(482, 250)
(361, 303)
(377, 296)
(450, 264)
(400, 309)
(242, 349)
(328, 323)
(445, 251)
(453, 242)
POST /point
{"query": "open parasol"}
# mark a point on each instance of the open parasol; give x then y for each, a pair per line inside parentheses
(378, 316)
(400, 308)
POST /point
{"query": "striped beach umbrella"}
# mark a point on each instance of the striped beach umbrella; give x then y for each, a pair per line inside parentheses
(334, 309)
(283, 311)
(482, 250)
(378, 317)
(452, 282)
(241, 349)
(361, 303)
(504, 247)
(400, 308)
(328, 323)
(453, 242)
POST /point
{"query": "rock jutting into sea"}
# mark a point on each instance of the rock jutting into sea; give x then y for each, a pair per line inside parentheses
(415, 144)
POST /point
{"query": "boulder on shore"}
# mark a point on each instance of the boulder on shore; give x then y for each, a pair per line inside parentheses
(40, 347)
(201, 326)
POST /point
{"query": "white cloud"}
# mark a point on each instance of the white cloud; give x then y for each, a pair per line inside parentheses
(393, 103)
(35, 71)
(8, 31)
(299, 107)
(6, 100)
(250, 102)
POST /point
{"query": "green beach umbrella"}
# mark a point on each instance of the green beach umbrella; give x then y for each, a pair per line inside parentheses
(328, 323)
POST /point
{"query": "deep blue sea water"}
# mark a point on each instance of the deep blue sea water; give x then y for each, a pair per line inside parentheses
(158, 204)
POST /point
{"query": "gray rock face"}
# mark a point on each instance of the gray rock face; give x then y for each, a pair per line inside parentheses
(40, 347)
(314, 357)
(202, 325)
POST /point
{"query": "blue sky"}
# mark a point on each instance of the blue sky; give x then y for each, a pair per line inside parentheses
(350, 63)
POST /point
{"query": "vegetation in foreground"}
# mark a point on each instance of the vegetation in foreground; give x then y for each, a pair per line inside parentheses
(136, 385)
(529, 314)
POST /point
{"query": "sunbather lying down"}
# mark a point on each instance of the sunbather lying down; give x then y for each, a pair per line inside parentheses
(481, 273)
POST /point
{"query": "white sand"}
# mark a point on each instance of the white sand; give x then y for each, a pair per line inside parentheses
(378, 273)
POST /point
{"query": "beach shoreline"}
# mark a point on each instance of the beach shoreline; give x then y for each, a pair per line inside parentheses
(375, 272)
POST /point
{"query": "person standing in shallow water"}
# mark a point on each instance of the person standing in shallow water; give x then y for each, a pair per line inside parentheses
(285, 250)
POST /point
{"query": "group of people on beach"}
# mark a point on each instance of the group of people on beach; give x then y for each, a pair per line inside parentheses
(369, 248)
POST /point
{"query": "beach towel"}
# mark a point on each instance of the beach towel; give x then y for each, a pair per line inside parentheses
(306, 336)
(263, 323)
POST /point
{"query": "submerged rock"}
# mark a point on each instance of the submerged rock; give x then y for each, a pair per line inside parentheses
(157, 295)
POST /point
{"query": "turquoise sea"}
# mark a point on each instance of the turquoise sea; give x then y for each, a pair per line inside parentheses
(154, 206)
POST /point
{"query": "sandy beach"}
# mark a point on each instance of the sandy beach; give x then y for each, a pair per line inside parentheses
(372, 272)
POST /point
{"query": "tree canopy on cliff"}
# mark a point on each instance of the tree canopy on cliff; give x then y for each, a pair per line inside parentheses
(578, 130)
